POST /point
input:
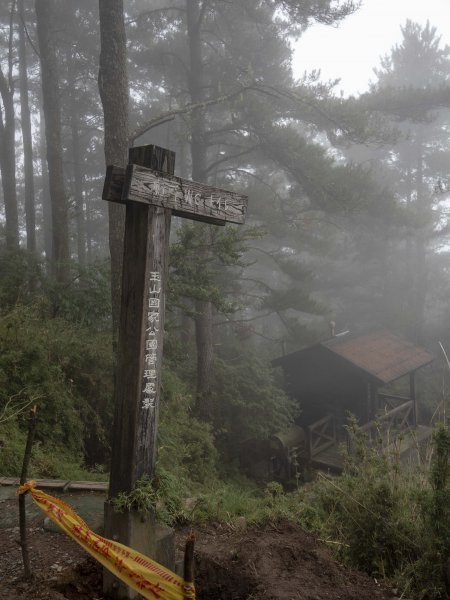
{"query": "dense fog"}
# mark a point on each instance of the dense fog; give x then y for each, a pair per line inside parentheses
(219, 275)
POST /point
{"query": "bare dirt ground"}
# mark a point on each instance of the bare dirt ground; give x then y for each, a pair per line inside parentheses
(282, 562)
(274, 562)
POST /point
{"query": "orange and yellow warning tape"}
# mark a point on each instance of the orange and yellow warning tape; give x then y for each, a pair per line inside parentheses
(150, 579)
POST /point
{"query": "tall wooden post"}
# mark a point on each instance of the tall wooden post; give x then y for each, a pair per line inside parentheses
(151, 194)
(137, 388)
(138, 371)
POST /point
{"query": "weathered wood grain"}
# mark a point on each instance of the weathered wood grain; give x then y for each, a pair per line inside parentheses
(146, 251)
(188, 198)
(113, 185)
(112, 191)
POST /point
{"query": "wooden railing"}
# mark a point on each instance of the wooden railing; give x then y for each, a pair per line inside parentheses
(392, 401)
(321, 435)
(395, 420)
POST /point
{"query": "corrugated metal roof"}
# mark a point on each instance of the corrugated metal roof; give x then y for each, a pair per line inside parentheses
(381, 354)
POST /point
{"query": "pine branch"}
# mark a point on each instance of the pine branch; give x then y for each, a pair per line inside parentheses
(149, 13)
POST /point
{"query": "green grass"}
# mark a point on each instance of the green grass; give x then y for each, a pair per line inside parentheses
(46, 461)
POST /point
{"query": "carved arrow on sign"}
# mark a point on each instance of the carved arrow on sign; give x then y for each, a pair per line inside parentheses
(185, 198)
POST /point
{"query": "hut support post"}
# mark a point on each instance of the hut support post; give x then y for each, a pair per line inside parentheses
(412, 393)
(372, 402)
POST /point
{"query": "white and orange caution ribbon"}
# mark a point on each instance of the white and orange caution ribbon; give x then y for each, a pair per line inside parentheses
(150, 579)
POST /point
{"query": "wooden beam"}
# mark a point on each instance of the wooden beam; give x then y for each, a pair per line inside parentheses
(113, 184)
(185, 198)
(112, 191)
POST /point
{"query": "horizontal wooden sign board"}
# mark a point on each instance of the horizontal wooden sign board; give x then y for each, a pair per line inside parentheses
(185, 198)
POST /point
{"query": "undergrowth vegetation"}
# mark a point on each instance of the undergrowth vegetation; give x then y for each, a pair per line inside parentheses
(388, 519)
(380, 516)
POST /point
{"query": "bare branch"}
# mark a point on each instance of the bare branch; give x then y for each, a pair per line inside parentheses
(216, 163)
(18, 406)
(170, 115)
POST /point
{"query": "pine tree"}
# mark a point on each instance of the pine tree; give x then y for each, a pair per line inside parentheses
(419, 64)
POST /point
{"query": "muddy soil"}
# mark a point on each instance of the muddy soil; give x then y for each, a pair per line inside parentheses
(232, 563)
(274, 562)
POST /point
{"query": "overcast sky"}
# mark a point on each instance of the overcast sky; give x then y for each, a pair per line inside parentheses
(351, 51)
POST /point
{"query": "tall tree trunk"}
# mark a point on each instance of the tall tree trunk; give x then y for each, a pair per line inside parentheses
(401, 291)
(113, 87)
(30, 214)
(7, 148)
(78, 188)
(45, 191)
(205, 356)
(185, 321)
(89, 232)
(204, 320)
(76, 161)
(421, 276)
(45, 10)
(409, 238)
(198, 148)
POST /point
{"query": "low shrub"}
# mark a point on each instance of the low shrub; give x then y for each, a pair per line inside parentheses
(390, 521)
(66, 370)
(47, 461)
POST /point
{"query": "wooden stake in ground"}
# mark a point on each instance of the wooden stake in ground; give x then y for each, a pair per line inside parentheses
(189, 567)
(23, 477)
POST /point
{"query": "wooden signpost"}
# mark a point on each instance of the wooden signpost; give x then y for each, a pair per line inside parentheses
(151, 194)
(185, 198)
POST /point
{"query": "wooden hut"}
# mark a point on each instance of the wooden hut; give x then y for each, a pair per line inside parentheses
(348, 374)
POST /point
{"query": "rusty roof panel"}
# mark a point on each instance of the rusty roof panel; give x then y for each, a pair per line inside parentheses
(382, 354)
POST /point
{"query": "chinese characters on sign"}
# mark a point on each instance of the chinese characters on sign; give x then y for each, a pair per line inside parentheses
(184, 198)
(175, 195)
(150, 373)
